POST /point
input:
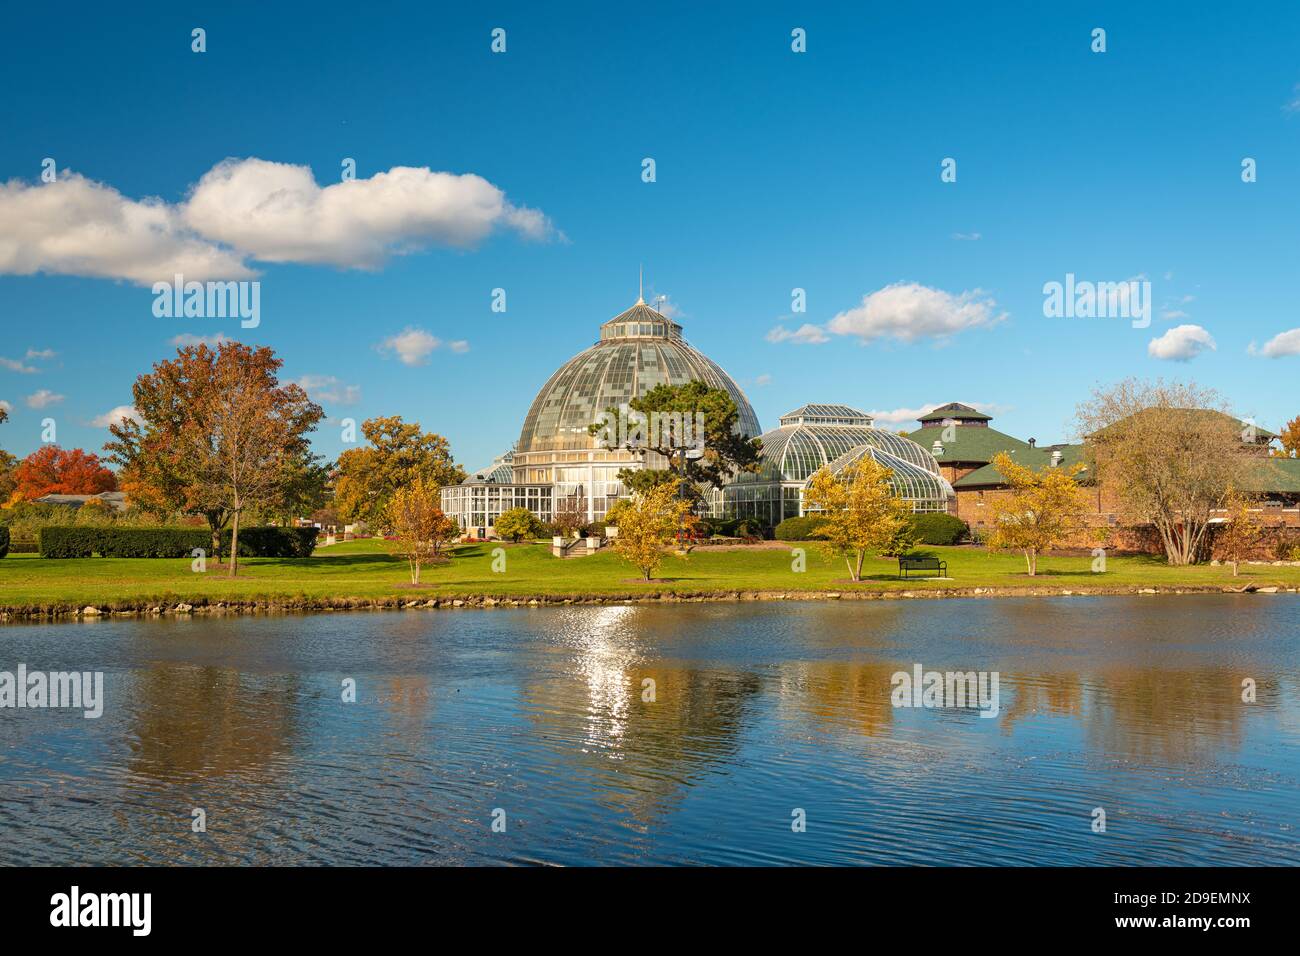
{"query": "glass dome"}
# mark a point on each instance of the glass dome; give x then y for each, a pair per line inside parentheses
(638, 349)
(816, 435)
(923, 490)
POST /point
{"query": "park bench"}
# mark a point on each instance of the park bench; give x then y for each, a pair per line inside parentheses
(922, 564)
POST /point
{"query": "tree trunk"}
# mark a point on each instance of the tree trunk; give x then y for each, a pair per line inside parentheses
(215, 527)
(415, 570)
(1234, 569)
(858, 576)
(852, 574)
(234, 544)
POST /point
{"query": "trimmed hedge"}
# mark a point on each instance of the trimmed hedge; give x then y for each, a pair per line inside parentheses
(4, 542)
(110, 542)
(273, 542)
(939, 528)
(930, 528)
(797, 529)
(734, 527)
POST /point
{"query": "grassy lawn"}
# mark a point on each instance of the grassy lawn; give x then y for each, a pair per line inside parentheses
(361, 569)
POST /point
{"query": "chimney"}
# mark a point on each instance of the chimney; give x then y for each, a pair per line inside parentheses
(1056, 457)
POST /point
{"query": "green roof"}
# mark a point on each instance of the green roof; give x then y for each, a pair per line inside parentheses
(955, 411)
(973, 443)
(1035, 458)
(1277, 475)
(1262, 434)
(1264, 476)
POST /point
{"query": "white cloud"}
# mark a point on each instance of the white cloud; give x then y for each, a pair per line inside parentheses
(43, 399)
(248, 209)
(115, 415)
(7, 406)
(1293, 106)
(764, 379)
(459, 346)
(806, 334)
(75, 226)
(665, 305)
(14, 365)
(412, 346)
(277, 212)
(1284, 343)
(967, 236)
(1173, 315)
(328, 388)
(41, 353)
(1181, 343)
(907, 311)
(186, 339)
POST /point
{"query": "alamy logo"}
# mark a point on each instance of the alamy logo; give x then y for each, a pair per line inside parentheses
(1130, 299)
(53, 689)
(103, 909)
(633, 429)
(964, 689)
(209, 300)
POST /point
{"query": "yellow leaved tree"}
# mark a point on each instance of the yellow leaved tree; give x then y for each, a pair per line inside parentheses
(1041, 509)
(647, 524)
(859, 511)
(419, 527)
(1242, 534)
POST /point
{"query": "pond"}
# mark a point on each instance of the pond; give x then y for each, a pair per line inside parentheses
(752, 733)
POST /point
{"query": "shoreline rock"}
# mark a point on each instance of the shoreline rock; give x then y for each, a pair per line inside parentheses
(73, 612)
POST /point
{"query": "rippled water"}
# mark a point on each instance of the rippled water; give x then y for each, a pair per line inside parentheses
(1132, 705)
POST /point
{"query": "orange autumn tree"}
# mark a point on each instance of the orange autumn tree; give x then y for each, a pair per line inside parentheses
(50, 470)
(1289, 439)
(217, 433)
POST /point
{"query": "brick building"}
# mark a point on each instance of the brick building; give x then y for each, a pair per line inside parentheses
(964, 444)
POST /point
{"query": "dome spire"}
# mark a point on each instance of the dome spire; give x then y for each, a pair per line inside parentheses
(640, 286)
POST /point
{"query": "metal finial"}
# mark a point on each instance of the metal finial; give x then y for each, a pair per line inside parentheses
(640, 289)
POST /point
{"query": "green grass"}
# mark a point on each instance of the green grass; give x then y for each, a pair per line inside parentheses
(361, 570)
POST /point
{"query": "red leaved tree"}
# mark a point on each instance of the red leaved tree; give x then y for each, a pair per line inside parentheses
(50, 470)
(217, 433)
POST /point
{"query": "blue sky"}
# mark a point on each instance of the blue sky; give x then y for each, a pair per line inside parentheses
(774, 171)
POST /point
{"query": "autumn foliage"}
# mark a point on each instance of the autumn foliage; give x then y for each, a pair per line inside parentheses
(53, 471)
(420, 530)
(217, 433)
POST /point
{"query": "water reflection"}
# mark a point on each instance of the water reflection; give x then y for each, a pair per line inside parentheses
(673, 734)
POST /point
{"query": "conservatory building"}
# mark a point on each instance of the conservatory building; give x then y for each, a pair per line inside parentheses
(836, 436)
(557, 467)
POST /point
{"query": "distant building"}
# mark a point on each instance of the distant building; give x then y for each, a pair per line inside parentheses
(964, 445)
(115, 500)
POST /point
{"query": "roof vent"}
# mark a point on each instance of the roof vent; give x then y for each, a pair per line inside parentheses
(937, 448)
(1056, 457)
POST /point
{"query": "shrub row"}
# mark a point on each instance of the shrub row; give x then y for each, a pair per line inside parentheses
(273, 542)
(930, 528)
(4, 542)
(797, 529)
(109, 542)
(734, 527)
(939, 529)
